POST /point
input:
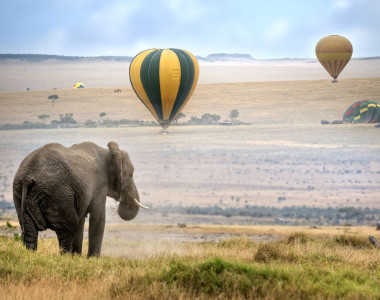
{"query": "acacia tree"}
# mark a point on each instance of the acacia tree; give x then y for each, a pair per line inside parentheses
(234, 114)
(53, 98)
(43, 117)
(102, 115)
(179, 116)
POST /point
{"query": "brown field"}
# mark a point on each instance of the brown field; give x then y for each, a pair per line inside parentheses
(284, 153)
(52, 74)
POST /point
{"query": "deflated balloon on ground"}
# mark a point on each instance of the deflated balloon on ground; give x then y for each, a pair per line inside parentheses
(363, 111)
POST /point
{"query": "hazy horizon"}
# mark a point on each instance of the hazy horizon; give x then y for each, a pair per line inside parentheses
(207, 56)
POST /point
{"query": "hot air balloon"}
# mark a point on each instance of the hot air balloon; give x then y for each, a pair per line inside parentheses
(78, 85)
(334, 52)
(364, 111)
(164, 80)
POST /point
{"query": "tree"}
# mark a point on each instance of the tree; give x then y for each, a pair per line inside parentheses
(102, 115)
(194, 120)
(215, 117)
(209, 118)
(43, 117)
(90, 123)
(179, 116)
(53, 98)
(234, 114)
(66, 119)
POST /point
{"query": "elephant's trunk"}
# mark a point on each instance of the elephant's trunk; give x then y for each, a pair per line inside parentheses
(127, 210)
(129, 202)
(128, 195)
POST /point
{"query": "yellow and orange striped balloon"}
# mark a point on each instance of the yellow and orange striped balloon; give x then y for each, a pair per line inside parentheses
(334, 52)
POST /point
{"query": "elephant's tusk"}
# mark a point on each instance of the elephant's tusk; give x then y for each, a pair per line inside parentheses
(139, 204)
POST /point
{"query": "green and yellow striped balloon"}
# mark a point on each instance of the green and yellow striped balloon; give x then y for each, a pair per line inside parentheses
(164, 80)
(334, 52)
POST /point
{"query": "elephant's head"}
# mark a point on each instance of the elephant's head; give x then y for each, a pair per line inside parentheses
(127, 193)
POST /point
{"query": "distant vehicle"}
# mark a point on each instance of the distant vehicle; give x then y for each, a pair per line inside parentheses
(78, 85)
(226, 123)
(334, 52)
(164, 80)
(363, 111)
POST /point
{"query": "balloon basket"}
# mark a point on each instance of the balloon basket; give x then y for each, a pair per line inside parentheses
(164, 131)
(334, 81)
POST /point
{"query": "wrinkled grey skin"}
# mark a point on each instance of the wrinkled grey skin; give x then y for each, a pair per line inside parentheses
(57, 187)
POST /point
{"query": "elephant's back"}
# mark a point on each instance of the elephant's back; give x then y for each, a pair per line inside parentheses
(37, 168)
(42, 163)
(54, 164)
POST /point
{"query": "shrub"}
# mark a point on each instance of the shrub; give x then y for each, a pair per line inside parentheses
(298, 237)
(90, 124)
(353, 241)
(217, 277)
(274, 251)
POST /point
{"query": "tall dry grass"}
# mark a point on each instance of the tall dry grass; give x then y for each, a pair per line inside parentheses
(299, 266)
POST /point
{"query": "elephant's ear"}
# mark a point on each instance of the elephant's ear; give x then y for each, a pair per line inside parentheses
(116, 155)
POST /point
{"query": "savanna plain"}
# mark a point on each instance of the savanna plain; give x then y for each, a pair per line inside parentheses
(282, 157)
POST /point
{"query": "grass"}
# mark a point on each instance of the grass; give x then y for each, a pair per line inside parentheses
(299, 266)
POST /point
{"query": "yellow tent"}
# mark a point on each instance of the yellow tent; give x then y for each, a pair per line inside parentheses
(78, 85)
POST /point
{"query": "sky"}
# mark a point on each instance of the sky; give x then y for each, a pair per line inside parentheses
(263, 28)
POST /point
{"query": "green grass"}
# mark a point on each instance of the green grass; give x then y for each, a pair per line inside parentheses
(297, 267)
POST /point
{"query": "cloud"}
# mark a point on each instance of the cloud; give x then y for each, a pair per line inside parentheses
(265, 29)
(278, 30)
(111, 20)
(342, 4)
(187, 10)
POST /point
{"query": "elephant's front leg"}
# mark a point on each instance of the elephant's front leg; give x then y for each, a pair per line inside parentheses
(96, 230)
(78, 238)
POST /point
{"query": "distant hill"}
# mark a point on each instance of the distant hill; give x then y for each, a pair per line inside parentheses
(43, 57)
(227, 57)
(214, 57)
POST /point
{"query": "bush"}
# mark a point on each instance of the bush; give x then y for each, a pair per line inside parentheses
(90, 124)
(26, 125)
(274, 251)
(353, 241)
(218, 277)
(6, 205)
(66, 119)
(298, 238)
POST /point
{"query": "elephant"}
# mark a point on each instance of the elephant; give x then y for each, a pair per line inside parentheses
(56, 187)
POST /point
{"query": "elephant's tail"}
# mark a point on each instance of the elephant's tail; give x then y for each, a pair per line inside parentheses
(23, 200)
(29, 205)
(29, 229)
